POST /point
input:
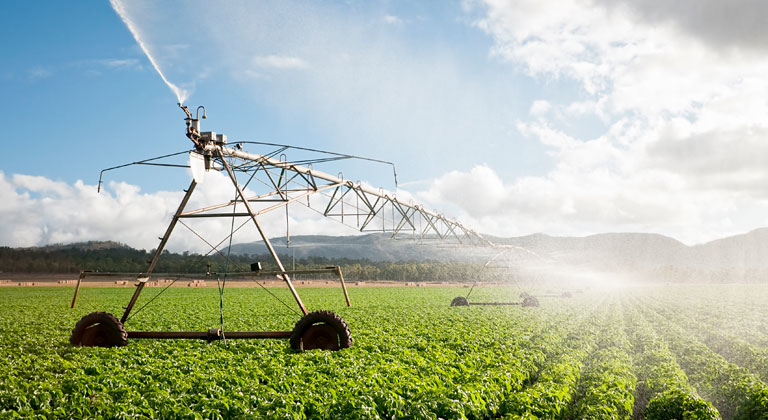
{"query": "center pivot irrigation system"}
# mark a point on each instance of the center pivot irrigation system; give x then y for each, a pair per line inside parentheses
(503, 267)
(262, 184)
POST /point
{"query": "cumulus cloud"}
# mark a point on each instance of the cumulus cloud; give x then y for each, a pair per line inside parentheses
(595, 201)
(683, 148)
(739, 24)
(480, 192)
(628, 64)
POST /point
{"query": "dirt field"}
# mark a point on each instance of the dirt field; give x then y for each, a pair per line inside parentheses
(70, 280)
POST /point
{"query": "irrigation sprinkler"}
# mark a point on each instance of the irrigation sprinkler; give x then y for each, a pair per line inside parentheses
(283, 183)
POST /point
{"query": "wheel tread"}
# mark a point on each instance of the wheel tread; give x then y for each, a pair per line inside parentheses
(325, 317)
(104, 318)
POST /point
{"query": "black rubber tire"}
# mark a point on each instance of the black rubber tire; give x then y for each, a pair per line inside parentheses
(460, 301)
(321, 330)
(531, 301)
(99, 329)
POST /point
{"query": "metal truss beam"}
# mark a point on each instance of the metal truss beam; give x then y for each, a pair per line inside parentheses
(354, 204)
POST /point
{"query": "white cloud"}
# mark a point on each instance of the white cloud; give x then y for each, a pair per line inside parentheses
(479, 193)
(540, 107)
(720, 24)
(121, 63)
(279, 62)
(626, 63)
(684, 149)
(40, 184)
(594, 201)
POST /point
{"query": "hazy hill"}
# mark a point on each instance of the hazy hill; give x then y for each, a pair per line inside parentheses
(623, 249)
(746, 250)
(643, 254)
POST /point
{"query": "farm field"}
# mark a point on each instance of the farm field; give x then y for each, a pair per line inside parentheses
(656, 352)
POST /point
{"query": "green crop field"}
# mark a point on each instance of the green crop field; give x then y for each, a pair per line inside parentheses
(664, 352)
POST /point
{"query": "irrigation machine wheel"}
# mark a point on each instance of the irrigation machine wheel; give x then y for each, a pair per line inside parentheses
(530, 300)
(99, 329)
(321, 330)
(460, 301)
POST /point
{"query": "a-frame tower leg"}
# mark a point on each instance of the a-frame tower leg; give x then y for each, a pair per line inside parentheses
(264, 236)
(144, 277)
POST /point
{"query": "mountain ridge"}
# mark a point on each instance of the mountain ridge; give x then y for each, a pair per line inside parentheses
(620, 248)
(612, 249)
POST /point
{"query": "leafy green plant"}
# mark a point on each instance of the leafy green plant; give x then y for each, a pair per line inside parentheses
(596, 355)
(679, 404)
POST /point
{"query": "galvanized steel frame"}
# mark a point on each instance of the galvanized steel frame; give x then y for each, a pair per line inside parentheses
(369, 209)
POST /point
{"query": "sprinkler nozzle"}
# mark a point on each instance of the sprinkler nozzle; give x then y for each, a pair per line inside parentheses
(186, 111)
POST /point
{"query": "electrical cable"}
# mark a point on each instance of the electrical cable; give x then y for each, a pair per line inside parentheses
(150, 301)
(213, 248)
(279, 300)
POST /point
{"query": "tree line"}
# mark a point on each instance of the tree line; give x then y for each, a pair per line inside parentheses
(73, 259)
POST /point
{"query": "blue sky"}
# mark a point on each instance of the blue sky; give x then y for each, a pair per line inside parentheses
(87, 97)
(564, 117)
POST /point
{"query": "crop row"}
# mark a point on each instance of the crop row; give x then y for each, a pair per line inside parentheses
(554, 386)
(724, 308)
(544, 345)
(735, 392)
(663, 391)
(726, 342)
(607, 383)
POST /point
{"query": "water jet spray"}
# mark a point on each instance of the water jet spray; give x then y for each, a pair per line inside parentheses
(117, 5)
